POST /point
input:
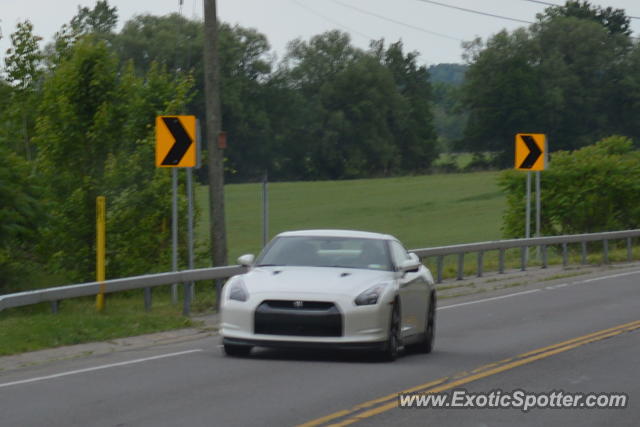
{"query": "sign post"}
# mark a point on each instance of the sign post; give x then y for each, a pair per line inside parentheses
(265, 209)
(175, 148)
(100, 249)
(531, 155)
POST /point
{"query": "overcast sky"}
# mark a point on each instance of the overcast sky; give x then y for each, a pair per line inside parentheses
(432, 30)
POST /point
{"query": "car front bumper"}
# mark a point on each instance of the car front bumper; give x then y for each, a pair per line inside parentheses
(360, 326)
(368, 346)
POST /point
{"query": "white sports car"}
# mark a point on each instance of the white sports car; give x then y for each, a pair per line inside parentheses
(330, 288)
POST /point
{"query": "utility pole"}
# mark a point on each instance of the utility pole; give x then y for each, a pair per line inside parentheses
(213, 126)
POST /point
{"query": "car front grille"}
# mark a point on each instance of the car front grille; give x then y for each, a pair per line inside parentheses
(298, 318)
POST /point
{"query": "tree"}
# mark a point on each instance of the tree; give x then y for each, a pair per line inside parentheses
(99, 21)
(95, 137)
(102, 19)
(23, 71)
(501, 94)
(245, 68)
(360, 113)
(20, 213)
(614, 20)
(414, 133)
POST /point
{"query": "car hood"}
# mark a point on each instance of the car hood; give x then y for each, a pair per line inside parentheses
(321, 280)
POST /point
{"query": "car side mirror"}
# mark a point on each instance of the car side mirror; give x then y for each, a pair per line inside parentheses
(246, 260)
(410, 265)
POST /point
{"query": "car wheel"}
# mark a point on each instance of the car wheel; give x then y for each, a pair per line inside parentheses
(392, 346)
(426, 346)
(237, 350)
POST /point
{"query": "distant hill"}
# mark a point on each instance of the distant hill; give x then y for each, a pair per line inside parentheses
(452, 74)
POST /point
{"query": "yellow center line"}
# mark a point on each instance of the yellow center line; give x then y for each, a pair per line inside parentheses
(560, 344)
(442, 384)
(344, 412)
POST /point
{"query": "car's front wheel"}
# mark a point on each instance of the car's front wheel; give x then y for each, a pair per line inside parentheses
(392, 346)
(237, 350)
(427, 343)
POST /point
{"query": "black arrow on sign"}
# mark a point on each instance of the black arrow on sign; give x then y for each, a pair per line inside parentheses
(182, 144)
(534, 152)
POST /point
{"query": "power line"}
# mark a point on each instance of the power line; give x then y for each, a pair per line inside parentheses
(543, 2)
(559, 5)
(333, 21)
(477, 12)
(424, 30)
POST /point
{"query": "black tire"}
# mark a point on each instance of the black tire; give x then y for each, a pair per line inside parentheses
(237, 350)
(428, 341)
(392, 346)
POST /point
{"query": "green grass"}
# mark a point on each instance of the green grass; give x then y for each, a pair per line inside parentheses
(422, 211)
(35, 327)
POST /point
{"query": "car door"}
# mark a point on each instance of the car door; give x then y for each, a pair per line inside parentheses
(413, 293)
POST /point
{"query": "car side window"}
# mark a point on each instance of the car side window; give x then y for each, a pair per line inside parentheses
(399, 253)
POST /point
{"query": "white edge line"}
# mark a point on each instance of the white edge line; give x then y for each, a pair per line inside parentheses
(97, 368)
(595, 279)
(612, 276)
(489, 299)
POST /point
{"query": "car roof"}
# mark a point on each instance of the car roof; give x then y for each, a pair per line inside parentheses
(338, 233)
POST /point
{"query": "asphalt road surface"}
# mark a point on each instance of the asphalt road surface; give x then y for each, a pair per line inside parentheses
(578, 334)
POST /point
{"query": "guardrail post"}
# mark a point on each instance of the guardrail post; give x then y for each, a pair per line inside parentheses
(501, 261)
(480, 262)
(629, 249)
(523, 258)
(583, 246)
(55, 306)
(605, 247)
(543, 248)
(147, 299)
(439, 267)
(565, 260)
(460, 266)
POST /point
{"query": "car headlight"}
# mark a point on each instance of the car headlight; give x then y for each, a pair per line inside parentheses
(370, 296)
(238, 291)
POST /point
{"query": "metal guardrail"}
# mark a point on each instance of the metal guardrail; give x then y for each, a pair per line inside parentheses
(56, 294)
(116, 285)
(542, 242)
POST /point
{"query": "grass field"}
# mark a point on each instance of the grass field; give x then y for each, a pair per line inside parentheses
(422, 211)
(35, 327)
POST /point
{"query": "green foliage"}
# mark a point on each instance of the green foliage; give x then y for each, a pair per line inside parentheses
(614, 20)
(23, 74)
(20, 213)
(102, 19)
(355, 113)
(94, 136)
(596, 188)
(450, 74)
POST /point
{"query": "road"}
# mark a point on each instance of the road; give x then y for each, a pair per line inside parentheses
(503, 340)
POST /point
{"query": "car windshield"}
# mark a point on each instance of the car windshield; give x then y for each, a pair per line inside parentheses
(344, 252)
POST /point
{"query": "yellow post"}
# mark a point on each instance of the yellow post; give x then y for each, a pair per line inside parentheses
(100, 249)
